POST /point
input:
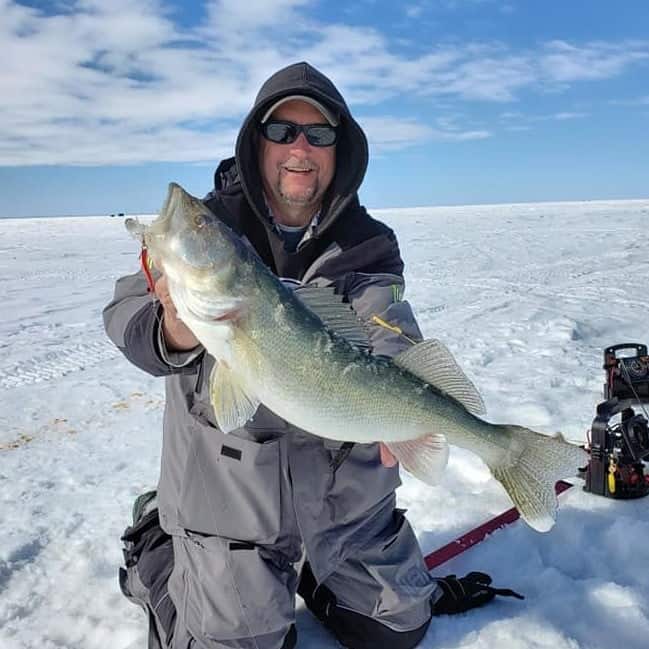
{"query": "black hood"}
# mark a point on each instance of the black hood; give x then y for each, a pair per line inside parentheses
(351, 148)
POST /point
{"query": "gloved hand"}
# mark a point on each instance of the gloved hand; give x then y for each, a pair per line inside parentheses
(467, 592)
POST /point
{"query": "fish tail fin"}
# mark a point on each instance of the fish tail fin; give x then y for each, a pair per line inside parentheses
(530, 470)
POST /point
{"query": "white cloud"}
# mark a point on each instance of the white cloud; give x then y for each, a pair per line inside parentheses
(389, 133)
(455, 5)
(636, 101)
(518, 121)
(464, 136)
(489, 77)
(568, 115)
(414, 10)
(120, 82)
(518, 128)
(563, 62)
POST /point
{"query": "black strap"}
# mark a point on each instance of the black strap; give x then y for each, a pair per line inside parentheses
(341, 455)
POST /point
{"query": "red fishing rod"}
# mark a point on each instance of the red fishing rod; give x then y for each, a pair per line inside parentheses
(480, 533)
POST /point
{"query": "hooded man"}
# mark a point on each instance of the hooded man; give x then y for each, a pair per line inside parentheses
(241, 522)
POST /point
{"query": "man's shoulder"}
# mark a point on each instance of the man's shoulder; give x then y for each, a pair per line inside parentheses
(363, 244)
(356, 225)
(226, 179)
(227, 199)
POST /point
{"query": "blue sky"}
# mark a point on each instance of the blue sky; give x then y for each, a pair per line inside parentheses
(464, 101)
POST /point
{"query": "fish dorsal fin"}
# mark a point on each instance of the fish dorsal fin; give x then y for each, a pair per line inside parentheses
(434, 364)
(232, 402)
(338, 316)
(425, 457)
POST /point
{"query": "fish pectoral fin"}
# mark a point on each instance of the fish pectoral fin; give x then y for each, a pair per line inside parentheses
(433, 363)
(529, 476)
(425, 457)
(233, 403)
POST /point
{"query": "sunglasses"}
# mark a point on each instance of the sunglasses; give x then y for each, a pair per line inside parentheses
(282, 132)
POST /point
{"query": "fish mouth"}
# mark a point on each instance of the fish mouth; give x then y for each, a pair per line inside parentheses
(232, 315)
(226, 316)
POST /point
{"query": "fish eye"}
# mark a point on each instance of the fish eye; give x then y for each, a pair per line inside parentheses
(199, 220)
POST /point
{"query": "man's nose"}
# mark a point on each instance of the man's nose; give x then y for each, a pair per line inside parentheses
(301, 143)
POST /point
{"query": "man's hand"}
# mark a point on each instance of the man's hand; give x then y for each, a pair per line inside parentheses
(459, 595)
(177, 335)
(387, 459)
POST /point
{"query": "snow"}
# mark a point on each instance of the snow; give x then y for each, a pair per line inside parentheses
(526, 296)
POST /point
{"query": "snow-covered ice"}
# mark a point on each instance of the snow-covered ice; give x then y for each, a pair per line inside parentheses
(526, 296)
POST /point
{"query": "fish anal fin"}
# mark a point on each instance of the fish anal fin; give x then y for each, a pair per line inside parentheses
(233, 403)
(433, 363)
(425, 457)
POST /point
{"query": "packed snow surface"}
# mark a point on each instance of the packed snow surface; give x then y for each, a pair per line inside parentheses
(526, 296)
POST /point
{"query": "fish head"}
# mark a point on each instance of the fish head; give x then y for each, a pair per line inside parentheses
(197, 252)
(183, 237)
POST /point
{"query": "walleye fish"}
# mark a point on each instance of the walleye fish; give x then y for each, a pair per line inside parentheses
(272, 348)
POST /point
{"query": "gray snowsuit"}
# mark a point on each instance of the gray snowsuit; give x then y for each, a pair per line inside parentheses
(245, 509)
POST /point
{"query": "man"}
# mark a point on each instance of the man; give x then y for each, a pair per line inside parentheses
(215, 565)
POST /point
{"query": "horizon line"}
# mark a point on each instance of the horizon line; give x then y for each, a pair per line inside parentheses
(369, 209)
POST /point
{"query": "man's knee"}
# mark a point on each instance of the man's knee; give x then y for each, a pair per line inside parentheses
(356, 631)
(353, 630)
(149, 560)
